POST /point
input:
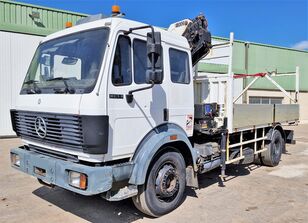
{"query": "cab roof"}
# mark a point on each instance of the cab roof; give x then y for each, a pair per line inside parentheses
(117, 24)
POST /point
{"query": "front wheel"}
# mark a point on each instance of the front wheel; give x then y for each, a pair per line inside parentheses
(165, 185)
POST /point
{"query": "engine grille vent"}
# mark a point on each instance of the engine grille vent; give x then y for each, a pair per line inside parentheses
(61, 130)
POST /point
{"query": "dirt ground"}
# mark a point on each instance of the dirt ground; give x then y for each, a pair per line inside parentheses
(250, 194)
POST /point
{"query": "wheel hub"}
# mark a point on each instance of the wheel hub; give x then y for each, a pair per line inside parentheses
(167, 183)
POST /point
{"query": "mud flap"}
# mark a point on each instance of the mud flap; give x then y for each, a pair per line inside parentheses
(191, 178)
(248, 153)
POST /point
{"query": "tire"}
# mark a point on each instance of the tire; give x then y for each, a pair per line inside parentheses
(257, 159)
(271, 157)
(165, 185)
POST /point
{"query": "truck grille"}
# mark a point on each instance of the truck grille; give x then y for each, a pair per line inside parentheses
(61, 130)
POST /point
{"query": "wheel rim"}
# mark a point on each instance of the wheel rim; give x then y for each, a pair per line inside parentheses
(167, 183)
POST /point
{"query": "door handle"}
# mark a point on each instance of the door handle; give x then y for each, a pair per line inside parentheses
(166, 114)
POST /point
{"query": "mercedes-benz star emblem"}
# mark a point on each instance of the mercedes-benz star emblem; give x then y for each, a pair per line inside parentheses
(40, 127)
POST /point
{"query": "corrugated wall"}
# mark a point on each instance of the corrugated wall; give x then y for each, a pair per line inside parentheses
(5, 84)
(18, 17)
(19, 36)
(16, 53)
(262, 58)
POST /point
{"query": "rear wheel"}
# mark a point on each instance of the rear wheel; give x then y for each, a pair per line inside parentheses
(271, 157)
(165, 185)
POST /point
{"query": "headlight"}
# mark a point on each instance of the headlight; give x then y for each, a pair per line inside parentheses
(15, 159)
(78, 180)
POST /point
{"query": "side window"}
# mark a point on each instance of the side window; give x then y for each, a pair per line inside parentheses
(121, 70)
(179, 66)
(140, 61)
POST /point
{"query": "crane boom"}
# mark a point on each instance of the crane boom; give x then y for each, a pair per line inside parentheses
(197, 35)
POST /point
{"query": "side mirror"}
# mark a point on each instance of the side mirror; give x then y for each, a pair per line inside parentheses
(154, 73)
(154, 77)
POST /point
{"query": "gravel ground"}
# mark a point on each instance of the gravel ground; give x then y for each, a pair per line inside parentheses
(250, 194)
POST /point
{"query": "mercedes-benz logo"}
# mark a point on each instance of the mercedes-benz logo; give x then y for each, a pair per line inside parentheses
(40, 127)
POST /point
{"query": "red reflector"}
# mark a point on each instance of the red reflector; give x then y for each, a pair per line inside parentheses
(173, 137)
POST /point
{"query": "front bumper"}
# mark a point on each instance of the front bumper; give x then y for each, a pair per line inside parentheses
(99, 179)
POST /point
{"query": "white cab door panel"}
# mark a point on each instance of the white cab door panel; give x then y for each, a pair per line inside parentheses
(130, 122)
(181, 97)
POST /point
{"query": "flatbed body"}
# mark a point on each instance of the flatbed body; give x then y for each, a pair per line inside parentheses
(251, 116)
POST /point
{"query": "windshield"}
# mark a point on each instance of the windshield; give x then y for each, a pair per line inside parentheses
(68, 64)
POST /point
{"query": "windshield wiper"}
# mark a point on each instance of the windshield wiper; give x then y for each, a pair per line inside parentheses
(67, 89)
(35, 90)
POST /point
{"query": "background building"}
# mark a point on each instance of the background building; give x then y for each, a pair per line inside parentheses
(252, 58)
(22, 26)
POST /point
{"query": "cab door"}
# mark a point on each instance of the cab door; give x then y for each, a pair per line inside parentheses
(130, 122)
(181, 97)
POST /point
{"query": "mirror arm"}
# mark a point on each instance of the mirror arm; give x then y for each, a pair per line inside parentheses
(130, 96)
(141, 27)
(153, 39)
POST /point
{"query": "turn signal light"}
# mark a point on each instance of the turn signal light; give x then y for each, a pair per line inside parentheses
(78, 180)
(68, 24)
(15, 159)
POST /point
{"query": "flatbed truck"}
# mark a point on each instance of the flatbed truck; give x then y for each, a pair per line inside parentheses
(109, 107)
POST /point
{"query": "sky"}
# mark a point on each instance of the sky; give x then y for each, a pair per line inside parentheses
(275, 22)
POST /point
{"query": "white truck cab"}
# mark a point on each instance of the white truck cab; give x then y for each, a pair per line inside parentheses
(107, 107)
(101, 65)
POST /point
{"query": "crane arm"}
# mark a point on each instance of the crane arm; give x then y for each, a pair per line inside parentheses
(197, 35)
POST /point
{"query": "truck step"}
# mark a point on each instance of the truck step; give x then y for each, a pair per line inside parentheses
(121, 194)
